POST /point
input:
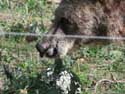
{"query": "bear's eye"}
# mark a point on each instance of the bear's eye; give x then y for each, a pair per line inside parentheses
(67, 26)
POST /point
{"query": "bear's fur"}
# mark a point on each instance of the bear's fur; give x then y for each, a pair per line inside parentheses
(83, 17)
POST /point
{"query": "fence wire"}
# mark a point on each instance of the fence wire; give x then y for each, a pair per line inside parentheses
(65, 36)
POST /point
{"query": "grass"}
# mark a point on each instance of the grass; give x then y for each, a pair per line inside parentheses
(91, 63)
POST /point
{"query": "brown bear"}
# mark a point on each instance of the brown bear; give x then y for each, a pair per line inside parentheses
(83, 17)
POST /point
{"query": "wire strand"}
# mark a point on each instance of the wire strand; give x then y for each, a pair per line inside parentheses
(65, 36)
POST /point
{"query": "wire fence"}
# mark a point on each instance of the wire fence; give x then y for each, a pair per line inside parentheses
(22, 51)
(65, 36)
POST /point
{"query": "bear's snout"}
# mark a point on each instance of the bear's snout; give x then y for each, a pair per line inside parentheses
(42, 48)
(46, 49)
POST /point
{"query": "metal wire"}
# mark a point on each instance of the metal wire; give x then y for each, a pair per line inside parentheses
(65, 36)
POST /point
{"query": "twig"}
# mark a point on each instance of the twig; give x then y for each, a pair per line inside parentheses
(106, 80)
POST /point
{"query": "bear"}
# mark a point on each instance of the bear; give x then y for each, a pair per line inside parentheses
(83, 17)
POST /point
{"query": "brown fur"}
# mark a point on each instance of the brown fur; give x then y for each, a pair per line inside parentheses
(90, 14)
(89, 17)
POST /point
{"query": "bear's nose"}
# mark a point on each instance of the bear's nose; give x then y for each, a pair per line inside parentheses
(52, 52)
(42, 48)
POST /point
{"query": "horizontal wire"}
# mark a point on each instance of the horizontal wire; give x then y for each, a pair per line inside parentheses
(18, 34)
(65, 36)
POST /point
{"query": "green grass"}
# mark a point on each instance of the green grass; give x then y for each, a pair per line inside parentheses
(89, 64)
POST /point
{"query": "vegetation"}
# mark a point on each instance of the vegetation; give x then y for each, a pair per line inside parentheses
(101, 68)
